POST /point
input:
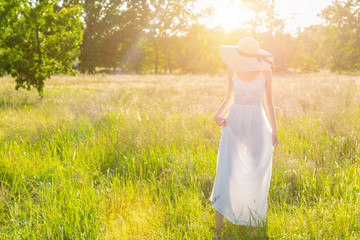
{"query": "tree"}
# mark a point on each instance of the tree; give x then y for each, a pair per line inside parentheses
(38, 39)
(90, 44)
(342, 35)
(282, 46)
(112, 27)
(198, 51)
(265, 19)
(305, 62)
(170, 19)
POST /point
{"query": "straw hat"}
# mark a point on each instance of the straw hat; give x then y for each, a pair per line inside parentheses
(246, 56)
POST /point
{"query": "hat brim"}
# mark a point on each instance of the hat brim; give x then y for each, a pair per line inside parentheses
(240, 63)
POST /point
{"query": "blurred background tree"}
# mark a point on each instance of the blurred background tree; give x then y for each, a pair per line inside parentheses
(170, 21)
(40, 38)
(111, 28)
(342, 35)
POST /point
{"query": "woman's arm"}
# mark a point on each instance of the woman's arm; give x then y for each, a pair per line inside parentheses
(270, 106)
(226, 103)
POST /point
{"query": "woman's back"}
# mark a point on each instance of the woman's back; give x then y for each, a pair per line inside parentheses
(246, 91)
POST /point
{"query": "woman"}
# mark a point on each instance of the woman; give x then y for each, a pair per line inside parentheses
(244, 160)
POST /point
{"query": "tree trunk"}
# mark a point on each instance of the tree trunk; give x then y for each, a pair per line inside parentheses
(271, 20)
(38, 45)
(169, 63)
(156, 59)
(254, 25)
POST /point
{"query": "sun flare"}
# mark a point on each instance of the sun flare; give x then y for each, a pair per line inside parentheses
(228, 14)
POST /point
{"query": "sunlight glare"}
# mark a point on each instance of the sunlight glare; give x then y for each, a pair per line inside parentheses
(228, 14)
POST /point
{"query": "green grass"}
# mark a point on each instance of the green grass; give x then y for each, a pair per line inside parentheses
(134, 157)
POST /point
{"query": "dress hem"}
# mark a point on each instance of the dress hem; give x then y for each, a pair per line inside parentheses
(232, 221)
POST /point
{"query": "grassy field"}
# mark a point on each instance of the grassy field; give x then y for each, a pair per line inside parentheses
(134, 157)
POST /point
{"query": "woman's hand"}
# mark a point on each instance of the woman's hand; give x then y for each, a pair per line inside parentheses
(220, 121)
(275, 139)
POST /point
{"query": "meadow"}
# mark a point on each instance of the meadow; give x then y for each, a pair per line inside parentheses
(134, 157)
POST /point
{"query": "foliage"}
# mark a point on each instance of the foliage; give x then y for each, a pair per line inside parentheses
(342, 35)
(199, 51)
(169, 21)
(112, 29)
(282, 46)
(265, 18)
(305, 62)
(38, 39)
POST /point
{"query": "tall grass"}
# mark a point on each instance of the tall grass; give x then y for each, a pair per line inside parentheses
(134, 157)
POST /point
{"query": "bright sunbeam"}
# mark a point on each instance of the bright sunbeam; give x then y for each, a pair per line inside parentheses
(228, 14)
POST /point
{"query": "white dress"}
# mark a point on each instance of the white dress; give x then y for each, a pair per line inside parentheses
(244, 160)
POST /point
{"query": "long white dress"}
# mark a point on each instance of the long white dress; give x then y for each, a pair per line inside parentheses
(244, 160)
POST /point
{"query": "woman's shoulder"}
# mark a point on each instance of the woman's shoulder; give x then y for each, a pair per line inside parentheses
(230, 72)
(267, 73)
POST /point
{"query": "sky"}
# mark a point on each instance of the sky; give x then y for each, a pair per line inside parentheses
(230, 14)
(300, 13)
